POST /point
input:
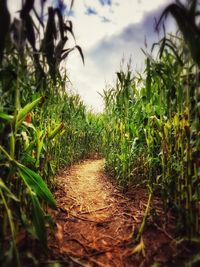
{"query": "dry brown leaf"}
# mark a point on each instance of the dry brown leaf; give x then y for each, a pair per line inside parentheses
(59, 233)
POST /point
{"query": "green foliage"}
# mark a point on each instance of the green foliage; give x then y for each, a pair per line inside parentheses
(42, 126)
(149, 131)
(152, 128)
(35, 182)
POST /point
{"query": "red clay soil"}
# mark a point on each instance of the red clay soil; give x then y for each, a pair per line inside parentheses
(97, 224)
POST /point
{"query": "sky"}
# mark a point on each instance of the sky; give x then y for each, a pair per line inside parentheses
(107, 31)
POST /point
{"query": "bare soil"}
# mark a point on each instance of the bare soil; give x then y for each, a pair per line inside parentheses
(97, 223)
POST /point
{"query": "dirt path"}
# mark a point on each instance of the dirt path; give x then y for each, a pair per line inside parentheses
(97, 224)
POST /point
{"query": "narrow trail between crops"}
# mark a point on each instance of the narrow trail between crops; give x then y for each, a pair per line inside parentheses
(96, 224)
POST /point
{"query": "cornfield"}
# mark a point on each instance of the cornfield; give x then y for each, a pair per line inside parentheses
(43, 127)
(153, 136)
(149, 131)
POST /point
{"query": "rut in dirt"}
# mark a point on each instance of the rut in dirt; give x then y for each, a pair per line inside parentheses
(97, 224)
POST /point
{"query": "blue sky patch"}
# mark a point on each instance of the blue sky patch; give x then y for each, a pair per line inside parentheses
(106, 2)
(91, 11)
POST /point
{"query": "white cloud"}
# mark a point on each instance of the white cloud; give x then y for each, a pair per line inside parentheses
(105, 43)
(91, 29)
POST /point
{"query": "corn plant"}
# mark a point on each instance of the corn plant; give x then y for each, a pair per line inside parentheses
(155, 119)
(42, 126)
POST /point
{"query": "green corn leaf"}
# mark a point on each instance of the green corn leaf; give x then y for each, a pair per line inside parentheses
(6, 153)
(187, 26)
(7, 191)
(119, 76)
(36, 183)
(28, 159)
(56, 131)
(38, 219)
(40, 142)
(172, 47)
(148, 80)
(25, 110)
(142, 226)
(12, 144)
(12, 228)
(6, 117)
